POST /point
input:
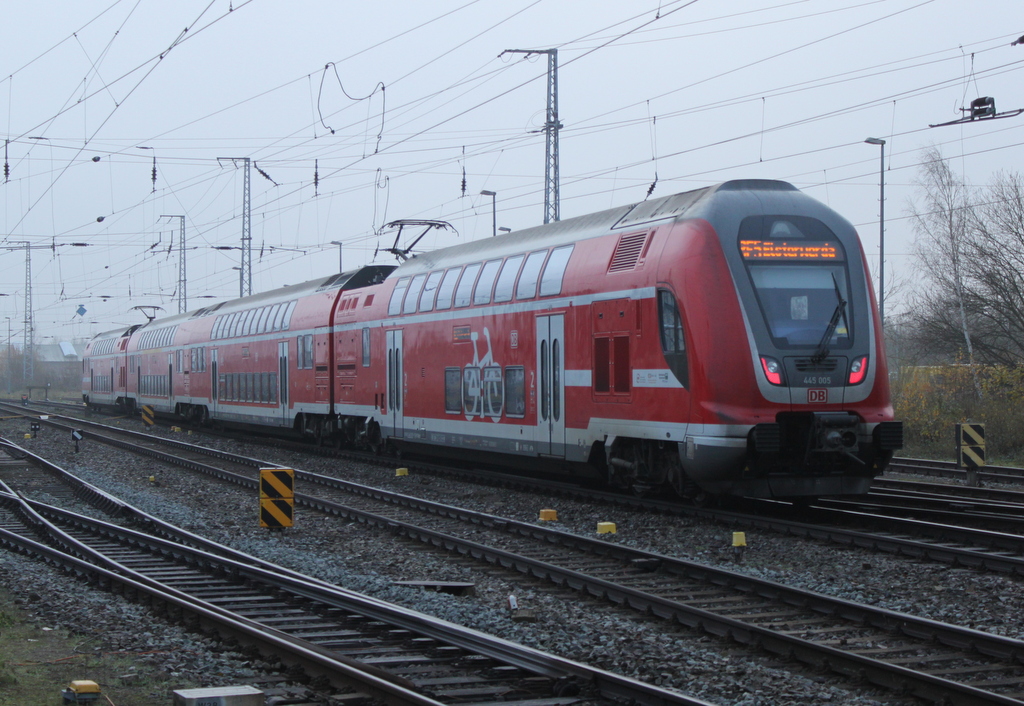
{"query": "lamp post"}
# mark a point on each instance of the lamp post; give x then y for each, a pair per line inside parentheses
(8, 354)
(881, 230)
(338, 243)
(494, 211)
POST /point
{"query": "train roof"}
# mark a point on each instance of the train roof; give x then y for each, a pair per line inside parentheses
(353, 279)
(636, 215)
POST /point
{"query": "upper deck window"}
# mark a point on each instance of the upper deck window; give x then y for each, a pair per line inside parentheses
(507, 278)
(554, 270)
(397, 296)
(447, 288)
(412, 297)
(429, 289)
(465, 289)
(527, 288)
(482, 293)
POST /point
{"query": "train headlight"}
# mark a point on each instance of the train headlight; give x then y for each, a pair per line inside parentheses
(772, 370)
(858, 370)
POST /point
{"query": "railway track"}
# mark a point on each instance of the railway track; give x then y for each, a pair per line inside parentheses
(948, 534)
(939, 662)
(335, 636)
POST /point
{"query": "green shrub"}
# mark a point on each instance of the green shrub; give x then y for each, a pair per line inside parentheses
(931, 400)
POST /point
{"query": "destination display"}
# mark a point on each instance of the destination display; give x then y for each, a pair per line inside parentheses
(783, 250)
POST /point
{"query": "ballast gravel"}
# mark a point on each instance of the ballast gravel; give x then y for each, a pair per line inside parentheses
(370, 561)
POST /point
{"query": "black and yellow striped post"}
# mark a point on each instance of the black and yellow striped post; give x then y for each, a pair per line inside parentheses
(277, 497)
(970, 449)
(147, 415)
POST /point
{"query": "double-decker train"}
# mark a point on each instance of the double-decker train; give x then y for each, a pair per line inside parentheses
(719, 341)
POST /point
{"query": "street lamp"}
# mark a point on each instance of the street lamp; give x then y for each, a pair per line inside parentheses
(8, 354)
(338, 243)
(881, 231)
(494, 211)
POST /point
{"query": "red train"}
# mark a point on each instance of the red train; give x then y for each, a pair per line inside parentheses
(718, 341)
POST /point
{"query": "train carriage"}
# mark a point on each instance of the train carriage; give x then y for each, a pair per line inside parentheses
(723, 340)
(104, 369)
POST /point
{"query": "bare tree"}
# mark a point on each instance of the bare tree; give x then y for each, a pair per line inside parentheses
(944, 229)
(971, 249)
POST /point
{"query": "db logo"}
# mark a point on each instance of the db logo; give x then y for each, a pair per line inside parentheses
(817, 395)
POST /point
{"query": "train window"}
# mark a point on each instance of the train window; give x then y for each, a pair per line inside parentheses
(545, 399)
(447, 288)
(484, 285)
(556, 380)
(673, 343)
(427, 298)
(412, 297)
(275, 318)
(492, 392)
(250, 321)
(233, 330)
(286, 318)
(623, 372)
(178, 360)
(395, 305)
(261, 322)
(471, 399)
(602, 365)
(215, 334)
(798, 302)
(366, 348)
(554, 270)
(304, 345)
(507, 278)
(463, 294)
(452, 390)
(515, 391)
(527, 288)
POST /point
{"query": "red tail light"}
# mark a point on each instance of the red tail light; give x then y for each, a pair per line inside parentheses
(858, 370)
(772, 370)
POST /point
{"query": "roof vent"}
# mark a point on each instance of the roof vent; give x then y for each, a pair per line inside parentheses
(627, 252)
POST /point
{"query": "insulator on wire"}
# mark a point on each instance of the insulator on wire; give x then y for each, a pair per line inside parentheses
(463, 170)
(650, 189)
(316, 177)
(154, 173)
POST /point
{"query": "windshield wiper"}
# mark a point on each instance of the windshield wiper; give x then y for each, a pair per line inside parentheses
(822, 352)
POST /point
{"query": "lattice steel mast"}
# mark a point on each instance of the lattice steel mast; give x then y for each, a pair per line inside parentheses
(182, 281)
(551, 127)
(245, 276)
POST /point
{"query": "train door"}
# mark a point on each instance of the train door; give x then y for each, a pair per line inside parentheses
(551, 383)
(214, 381)
(394, 374)
(282, 376)
(170, 382)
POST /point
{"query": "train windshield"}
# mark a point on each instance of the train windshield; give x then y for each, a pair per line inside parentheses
(798, 269)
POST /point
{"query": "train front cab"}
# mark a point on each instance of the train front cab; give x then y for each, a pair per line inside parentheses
(820, 420)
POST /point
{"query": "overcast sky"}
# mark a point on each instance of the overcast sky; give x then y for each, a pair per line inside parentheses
(691, 92)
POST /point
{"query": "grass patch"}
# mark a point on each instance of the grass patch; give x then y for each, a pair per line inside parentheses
(36, 664)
